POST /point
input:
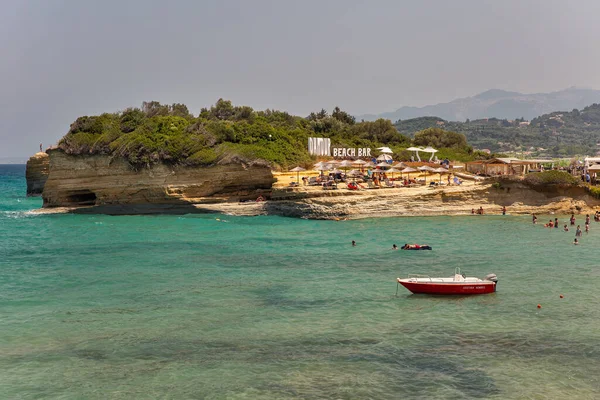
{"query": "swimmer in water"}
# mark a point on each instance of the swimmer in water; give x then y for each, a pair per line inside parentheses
(394, 247)
(354, 243)
(566, 229)
(534, 218)
(572, 219)
(575, 241)
(556, 222)
(587, 228)
(578, 231)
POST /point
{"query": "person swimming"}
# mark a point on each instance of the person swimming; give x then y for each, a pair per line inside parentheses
(572, 219)
(587, 228)
(394, 247)
(578, 231)
(353, 243)
(534, 218)
(416, 247)
(556, 222)
(575, 241)
(566, 228)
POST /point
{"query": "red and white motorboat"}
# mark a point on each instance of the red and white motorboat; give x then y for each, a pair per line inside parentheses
(458, 284)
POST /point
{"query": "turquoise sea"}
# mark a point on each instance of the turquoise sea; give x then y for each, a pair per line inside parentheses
(223, 307)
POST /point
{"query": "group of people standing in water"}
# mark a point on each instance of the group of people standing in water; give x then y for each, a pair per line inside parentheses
(578, 232)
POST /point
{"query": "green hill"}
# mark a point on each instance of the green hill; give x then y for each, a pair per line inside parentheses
(171, 134)
(557, 134)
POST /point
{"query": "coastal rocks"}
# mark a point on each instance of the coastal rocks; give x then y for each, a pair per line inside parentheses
(98, 180)
(36, 173)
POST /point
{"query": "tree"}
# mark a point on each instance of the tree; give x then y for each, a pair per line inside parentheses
(223, 110)
(343, 116)
(180, 110)
(439, 138)
(153, 108)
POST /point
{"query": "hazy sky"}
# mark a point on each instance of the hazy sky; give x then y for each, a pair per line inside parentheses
(60, 59)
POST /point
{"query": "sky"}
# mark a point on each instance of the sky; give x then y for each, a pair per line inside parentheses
(61, 59)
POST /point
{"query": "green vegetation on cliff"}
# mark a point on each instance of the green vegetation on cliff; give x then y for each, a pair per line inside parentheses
(171, 134)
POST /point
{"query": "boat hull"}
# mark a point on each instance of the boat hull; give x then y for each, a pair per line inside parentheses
(460, 288)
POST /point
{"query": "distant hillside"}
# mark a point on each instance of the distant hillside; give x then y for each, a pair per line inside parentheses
(497, 103)
(559, 133)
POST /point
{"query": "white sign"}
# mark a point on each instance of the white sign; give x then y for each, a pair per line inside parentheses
(351, 152)
(319, 146)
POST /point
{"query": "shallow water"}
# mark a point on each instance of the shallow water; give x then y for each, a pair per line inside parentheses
(214, 306)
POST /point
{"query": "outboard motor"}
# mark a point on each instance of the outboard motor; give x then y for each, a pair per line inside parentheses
(491, 277)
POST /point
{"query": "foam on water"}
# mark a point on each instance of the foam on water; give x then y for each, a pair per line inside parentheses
(128, 307)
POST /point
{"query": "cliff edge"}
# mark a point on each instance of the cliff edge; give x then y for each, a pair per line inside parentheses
(36, 173)
(102, 180)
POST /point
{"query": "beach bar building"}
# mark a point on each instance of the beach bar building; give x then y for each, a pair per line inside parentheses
(503, 166)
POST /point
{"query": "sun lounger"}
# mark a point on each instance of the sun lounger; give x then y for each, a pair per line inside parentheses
(372, 185)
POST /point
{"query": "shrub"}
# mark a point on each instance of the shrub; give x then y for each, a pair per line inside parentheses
(593, 191)
(550, 178)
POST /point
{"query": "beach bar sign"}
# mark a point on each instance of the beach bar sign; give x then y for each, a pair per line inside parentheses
(351, 152)
(322, 147)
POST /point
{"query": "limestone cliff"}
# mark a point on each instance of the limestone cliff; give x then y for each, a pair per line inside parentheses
(102, 181)
(36, 173)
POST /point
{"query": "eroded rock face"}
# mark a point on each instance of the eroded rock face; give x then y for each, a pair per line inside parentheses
(102, 180)
(36, 173)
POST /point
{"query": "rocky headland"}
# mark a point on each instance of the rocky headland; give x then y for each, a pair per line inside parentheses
(101, 184)
(37, 173)
(104, 181)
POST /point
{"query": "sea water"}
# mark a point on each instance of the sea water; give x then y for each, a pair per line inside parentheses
(217, 306)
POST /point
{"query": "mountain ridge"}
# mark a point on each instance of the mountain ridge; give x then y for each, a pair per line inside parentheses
(497, 103)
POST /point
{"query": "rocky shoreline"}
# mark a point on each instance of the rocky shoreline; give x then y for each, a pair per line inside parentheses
(102, 185)
(315, 203)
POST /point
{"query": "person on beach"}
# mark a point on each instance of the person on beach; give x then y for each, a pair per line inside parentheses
(575, 241)
(572, 219)
(556, 222)
(503, 210)
(534, 218)
(353, 243)
(566, 229)
(578, 231)
(480, 210)
(394, 247)
(472, 211)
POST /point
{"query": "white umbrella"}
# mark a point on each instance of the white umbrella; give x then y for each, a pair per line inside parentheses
(400, 165)
(297, 171)
(425, 168)
(359, 162)
(355, 172)
(345, 164)
(408, 170)
(392, 171)
(320, 166)
(431, 150)
(383, 164)
(417, 150)
(441, 171)
(385, 150)
(333, 162)
(384, 157)
(369, 165)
